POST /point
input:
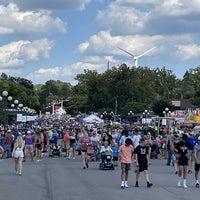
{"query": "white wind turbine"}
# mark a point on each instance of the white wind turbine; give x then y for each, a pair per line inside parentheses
(137, 57)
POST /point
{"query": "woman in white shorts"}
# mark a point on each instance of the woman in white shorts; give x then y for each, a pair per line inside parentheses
(18, 154)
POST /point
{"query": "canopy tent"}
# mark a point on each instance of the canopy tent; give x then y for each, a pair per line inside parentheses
(92, 119)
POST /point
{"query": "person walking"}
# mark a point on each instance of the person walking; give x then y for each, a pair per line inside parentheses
(115, 149)
(9, 138)
(66, 141)
(126, 153)
(197, 161)
(38, 146)
(183, 153)
(84, 141)
(72, 143)
(18, 154)
(175, 151)
(29, 145)
(192, 140)
(142, 159)
(169, 142)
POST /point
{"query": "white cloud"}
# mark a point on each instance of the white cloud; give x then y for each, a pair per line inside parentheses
(134, 25)
(62, 73)
(186, 52)
(105, 44)
(68, 73)
(16, 21)
(152, 17)
(18, 53)
(50, 4)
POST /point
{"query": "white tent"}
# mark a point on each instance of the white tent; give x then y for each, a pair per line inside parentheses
(92, 119)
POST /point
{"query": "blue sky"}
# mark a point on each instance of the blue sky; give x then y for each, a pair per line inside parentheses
(43, 40)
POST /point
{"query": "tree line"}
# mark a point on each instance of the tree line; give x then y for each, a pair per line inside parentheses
(119, 89)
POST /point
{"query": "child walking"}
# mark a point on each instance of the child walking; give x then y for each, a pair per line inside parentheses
(115, 149)
(126, 153)
(141, 153)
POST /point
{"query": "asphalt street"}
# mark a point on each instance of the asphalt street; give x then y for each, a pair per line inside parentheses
(61, 179)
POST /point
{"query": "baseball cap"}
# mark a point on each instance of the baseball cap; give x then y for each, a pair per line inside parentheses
(199, 138)
(28, 132)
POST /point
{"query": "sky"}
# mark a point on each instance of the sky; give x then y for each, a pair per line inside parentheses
(43, 40)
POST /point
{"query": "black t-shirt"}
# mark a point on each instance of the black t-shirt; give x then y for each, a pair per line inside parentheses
(183, 147)
(142, 152)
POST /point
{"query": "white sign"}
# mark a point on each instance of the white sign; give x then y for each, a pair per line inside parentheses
(19, 117)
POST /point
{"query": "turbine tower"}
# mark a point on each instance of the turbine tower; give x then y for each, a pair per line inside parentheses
(137, 57)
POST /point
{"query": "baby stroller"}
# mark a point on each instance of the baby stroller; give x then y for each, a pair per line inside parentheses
(106, 162)
(54, 150)
(93, 152)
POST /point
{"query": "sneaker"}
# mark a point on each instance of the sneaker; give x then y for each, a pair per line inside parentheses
(149, 184)
(122, 187)
(179, 184)
(126, 185)
(184, 185)
(87, 165)
(136, 184)
(20, 173)
(73, 158)
(176, 172)
(189, 171)
(17, 173)
(197, 185)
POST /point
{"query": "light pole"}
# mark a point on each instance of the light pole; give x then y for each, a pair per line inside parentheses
(112, 116)
(146, 113)
(14, 109)
(105, 115)
(166, 112)
(5, 99)
(130, 115)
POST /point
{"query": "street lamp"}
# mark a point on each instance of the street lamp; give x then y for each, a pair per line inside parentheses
(104, 115)
(146, 113)
(167, 121)
(5, 99)
(166, 112)
(112, 116)
(130, 115)
(16, 102)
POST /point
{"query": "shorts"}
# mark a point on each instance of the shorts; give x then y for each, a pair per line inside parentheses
(72, 145)
(115, 158)
(38, 146)
(126, 166)
(18, 154)
(28, 148)
(67, 146)
(143, 166)
(183, 161)
(196, 167)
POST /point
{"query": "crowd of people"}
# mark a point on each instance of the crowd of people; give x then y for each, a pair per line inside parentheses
(128, 145)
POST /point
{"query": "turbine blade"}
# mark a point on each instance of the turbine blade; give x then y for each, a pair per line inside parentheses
(145, 52)
(126, 52)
